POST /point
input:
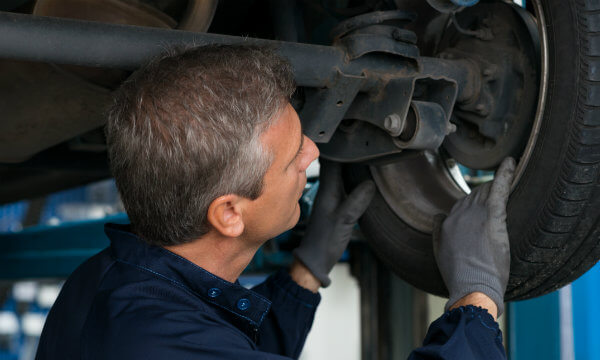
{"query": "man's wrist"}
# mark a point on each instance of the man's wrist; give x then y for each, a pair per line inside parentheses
(478, 299)
(303, 277)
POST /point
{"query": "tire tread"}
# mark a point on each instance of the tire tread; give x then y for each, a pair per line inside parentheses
(564, 230)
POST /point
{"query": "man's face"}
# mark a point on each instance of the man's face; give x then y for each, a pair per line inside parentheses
(277, 209)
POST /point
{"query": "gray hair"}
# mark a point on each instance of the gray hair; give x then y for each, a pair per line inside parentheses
(185, 129)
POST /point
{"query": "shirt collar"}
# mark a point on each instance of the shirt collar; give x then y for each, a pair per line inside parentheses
(129, 248)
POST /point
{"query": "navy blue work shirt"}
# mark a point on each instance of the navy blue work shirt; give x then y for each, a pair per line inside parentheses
(136, 301)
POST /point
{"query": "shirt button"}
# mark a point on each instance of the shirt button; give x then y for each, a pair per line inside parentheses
(214, 292)
(243, 304)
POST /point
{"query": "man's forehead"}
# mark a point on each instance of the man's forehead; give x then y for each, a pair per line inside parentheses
(284, 127)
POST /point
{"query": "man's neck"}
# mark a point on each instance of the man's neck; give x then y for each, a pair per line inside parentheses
(222, 256)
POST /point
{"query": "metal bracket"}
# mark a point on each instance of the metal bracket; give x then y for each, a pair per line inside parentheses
(421, 106)
(324, 108)
(380, 38)
(366, 34)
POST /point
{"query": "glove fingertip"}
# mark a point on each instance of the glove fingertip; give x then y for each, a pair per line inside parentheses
(501, 185)
(508, 164)
(365, 190)
(506, 171)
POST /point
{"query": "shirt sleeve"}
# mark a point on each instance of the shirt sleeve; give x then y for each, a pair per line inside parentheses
(284, 329)
(466, 333)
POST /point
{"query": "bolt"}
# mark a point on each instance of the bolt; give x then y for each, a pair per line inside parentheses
(394, 124)
(450, 128)
(397, 34)
(450, 163)
(481, 109)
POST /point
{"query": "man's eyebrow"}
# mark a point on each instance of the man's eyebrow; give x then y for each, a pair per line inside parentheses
(299, 148)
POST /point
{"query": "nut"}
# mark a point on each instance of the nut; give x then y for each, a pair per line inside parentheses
(394, 124)
(450, 128)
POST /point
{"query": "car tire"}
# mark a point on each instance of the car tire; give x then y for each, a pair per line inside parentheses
(554, 210)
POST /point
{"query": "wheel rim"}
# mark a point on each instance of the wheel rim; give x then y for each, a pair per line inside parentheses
(543, 90)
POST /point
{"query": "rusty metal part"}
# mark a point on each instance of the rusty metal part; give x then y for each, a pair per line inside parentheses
(369, 33)
(432, 183)
(385, 85)
(425, 127)
(497, 122)
(373, 18)
(330, 102)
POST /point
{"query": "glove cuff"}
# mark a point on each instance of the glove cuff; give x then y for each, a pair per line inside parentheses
(313, 266)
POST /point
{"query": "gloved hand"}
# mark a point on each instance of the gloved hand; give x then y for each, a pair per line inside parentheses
(471, 247)
(331, 222)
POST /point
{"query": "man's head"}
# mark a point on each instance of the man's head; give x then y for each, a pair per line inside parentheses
(191, 128)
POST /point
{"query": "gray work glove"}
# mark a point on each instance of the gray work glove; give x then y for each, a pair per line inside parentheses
(331, 222)
(471, 247)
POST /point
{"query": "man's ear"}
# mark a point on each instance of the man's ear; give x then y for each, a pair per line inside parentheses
(225, 215)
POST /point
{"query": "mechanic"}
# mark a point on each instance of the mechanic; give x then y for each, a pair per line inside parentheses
(209, 158)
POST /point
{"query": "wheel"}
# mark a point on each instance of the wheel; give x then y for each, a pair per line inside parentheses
(554, 127)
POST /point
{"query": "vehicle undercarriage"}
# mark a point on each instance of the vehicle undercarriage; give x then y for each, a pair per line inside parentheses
(416, 95)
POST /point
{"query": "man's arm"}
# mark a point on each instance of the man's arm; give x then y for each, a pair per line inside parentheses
(303, 277)
(294, 301)
(465, 333)
(471, 247)
(331, 223)
(478, 299)
(284, 329)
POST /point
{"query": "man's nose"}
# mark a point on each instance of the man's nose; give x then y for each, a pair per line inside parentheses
(314, 150)
(310, 151)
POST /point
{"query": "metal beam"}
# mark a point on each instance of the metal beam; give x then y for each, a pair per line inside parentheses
(95, 44)
(126, 47)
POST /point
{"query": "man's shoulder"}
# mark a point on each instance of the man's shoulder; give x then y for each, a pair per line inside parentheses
(144, 294)
(148, 306)
(148, 319)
